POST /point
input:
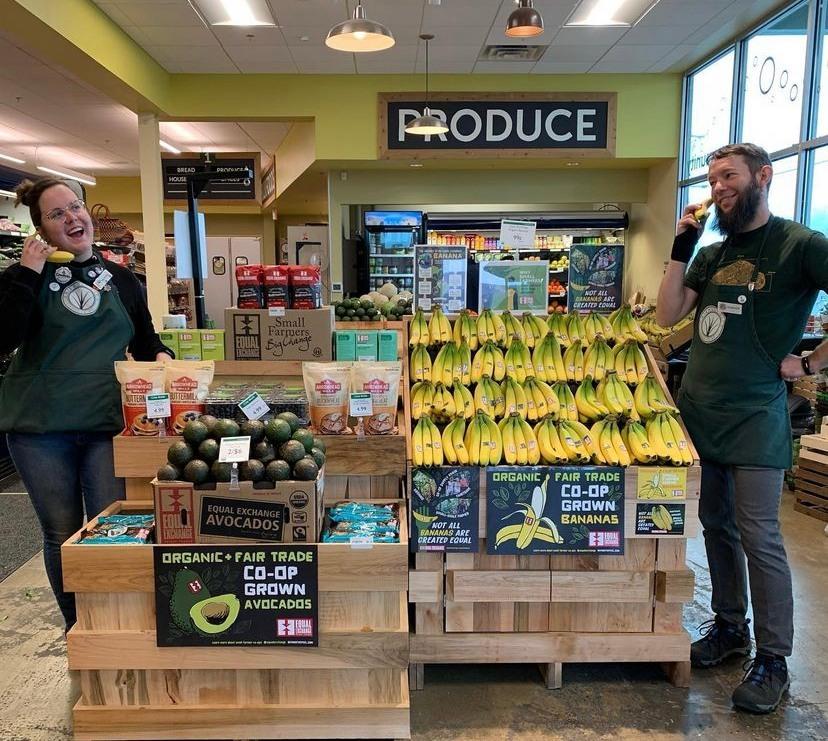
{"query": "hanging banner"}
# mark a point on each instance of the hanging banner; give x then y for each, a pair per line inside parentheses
(596, 273)
(516, 286)
(255, 595)
(440, 277)
(445, 509)
(546, 509)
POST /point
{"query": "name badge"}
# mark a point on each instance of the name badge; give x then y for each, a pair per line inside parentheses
(102, 280)
(727, 307)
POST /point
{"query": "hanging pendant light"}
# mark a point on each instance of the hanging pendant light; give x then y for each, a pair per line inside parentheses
(524, 21)
(426, 125)
(359, 34)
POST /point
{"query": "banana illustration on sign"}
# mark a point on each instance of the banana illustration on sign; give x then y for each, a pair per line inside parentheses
(533, 527)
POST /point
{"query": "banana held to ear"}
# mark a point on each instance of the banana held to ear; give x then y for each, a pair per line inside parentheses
(61, 257)
(701, 213)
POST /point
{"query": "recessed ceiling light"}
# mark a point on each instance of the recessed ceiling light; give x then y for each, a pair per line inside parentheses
(235, 12)
(622, 13)
(416, 164)
(16, 160)
(304, 38)
(66, 173)
(168, 147)
(573, 164)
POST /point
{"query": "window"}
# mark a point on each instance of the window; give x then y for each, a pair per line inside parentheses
(710, 91)
(822, 90)
(817, 217)
(782, 193)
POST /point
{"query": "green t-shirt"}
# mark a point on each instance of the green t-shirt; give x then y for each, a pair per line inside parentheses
(792, 271)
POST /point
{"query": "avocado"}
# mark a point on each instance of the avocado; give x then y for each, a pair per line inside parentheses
(264, 452)
(215, 614)
(277, 471)
(253, 427)
(188, 590)
(289, 417)
(208, 450)
(225, 428)
(318, 442)
(209, 421)
(180, 453)
(305, 469)
(168, 472)
(292, 451)
(318, 457)
(196, 471)
(195, 432)
(278, 430)
(251, 470)
(221, 471)
(305, 437)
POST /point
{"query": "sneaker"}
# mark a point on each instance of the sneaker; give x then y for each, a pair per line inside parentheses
(719, 640)
(766, 680)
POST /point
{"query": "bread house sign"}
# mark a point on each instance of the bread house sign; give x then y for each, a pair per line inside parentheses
(500, 125)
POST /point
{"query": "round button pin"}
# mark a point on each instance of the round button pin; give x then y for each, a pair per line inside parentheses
(742, 299)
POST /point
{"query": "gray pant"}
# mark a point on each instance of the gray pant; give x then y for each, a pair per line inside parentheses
(739, 510)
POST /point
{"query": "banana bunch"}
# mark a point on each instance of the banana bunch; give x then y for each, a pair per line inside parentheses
(442, 403)
(426, 443)
(490, 327)
(514, 397)
(557, 327)
(625, 326)
(590, 407)
(608, 445)
(575, 440)
(568, 408)
(454, 446)
(514, 329)
(465, 330)
(547, 360)
(488, 361)
(439, 327)
(534, 329)
(661, 517)
(597, 358)
(655, 332)
(519, 361)
(637, 442)
(549, 442)
(541, 400)
(667, 439)
(575, 327)
(488, 398)
(418, 333)
(629, 362)
(573, 361)
(519, 443)
(420, 364)
(650, 399)
(595, 324)
(453, 362)
(463, 401)
(483, 441)
(616, 396)
(422, 398)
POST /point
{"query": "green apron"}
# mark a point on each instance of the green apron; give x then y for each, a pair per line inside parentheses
(732, 397)
(63, 379)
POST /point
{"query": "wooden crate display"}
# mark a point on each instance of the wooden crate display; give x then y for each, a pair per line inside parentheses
(811, 480)
(354, 685)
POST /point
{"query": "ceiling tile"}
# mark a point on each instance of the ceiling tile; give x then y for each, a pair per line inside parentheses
(394, 13)
(398, 59)
(180, 35)
(258, 54)
(310, 12)
(678, 55)
(189, 54)
(446, 68)
(137, 35)
(160, 14)
(671, 12)
(503, 68)
(642, 34)
(561, 68)
(115, 13)
(213, 64)
(582, 36)
(261, 36)
(312, 60)
(649, 54)
(450, 53)
(457, 13)
(559, 53)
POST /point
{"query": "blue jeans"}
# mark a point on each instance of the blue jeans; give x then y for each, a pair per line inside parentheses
(65, 473)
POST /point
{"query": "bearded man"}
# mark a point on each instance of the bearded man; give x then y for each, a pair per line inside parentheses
(753, 294)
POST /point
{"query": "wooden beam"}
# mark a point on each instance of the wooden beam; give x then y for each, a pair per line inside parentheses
(675, 586)
(497, 586)
(601, 586)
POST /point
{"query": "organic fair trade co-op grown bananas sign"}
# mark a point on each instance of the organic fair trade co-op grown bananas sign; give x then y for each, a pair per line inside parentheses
(547, 509)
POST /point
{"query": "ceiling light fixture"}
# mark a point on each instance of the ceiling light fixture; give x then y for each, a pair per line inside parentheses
(169, 147)
(16, 160)
(7, 194)
(235, 12)
(426, 125)
(524, 21)
(416, 164)
(610, 13)
(87, 179)
(359, 34)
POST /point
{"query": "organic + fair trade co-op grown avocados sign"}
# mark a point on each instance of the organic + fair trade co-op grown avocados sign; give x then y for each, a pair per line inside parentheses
(445, 509)
(554, 510)
(256, 595)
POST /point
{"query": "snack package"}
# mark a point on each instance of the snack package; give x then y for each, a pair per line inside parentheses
(188, 384)
(328, 388)
(276, 286)
(382, 381)
(350, 510)
(251, 289)
(362, 522)
(120, 530)
(305, 286)
(138, 379)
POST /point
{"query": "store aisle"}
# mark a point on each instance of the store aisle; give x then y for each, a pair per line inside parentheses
(20, 536)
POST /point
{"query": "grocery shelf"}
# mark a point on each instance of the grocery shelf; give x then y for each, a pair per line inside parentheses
(390, 254)
(392, 275)
(7, 233)
(557, 295)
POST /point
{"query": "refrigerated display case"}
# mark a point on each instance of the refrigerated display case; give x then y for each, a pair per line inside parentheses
(390, 237)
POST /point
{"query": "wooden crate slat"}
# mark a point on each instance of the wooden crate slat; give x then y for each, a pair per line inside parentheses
(601, 617)
(812, 510)
(675, 586)
(601, 586)
(815, 492)
(425, 586)
(497, 586)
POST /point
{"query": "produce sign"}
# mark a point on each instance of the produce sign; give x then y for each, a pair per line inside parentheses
(534, 510)
(662, 483)
(445, 509)
(514, 286)
(237, 185)
(440, 275)
(257, 595)
(595, 277)
(659, 519)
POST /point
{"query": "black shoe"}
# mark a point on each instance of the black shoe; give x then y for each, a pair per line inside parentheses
(719, 640)
(766, 680)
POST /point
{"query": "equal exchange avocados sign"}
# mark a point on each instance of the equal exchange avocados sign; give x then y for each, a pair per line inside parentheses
(501, 125)
(254, 595)
(554, 510)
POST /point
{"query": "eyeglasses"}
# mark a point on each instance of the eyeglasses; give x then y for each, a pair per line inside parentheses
(58, 214)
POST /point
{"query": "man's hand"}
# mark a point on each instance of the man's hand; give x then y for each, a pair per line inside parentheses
(688, 231)
(791, 368)
(35, 252)
(688, 219)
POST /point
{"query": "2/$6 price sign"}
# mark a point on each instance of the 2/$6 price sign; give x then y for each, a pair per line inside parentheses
(501, 125)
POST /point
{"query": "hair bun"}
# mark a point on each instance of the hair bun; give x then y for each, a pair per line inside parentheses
(25, 193)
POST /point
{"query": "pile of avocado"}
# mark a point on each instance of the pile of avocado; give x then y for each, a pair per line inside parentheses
(281, 450)
(364, 310)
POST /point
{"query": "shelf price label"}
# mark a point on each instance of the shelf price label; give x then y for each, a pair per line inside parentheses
(254, 406)
(516, 234)
(361, 405)
(158, 406)
(234, 449)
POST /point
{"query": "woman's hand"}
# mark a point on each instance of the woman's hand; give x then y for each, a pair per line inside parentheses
(35, 252)
(162, 357)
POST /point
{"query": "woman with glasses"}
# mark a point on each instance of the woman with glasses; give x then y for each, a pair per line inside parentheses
(59, 401)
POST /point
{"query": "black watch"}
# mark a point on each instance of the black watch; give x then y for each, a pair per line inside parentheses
(806, 366)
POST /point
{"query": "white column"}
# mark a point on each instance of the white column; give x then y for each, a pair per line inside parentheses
(152, 205)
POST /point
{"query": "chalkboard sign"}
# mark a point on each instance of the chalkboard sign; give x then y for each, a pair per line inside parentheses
(238, 185)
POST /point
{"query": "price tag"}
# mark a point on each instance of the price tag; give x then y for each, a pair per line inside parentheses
(516, 234)
(362, 405)
(234, 449)
(254, 406)
(158, 406)
(276, 311)
(361, 542)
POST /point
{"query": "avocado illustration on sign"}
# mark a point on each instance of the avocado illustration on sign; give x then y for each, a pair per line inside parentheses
(192, 608)
(215, 614)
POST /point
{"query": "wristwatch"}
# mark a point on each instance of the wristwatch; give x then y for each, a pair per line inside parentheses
(806, 366)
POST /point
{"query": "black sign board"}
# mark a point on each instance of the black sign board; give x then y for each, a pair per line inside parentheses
(256, 595)
(665, 518)
(554, 510)
(238, 185)
(596, 273)
(445, 509)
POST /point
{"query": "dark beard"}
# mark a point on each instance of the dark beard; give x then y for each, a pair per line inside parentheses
(743, 212)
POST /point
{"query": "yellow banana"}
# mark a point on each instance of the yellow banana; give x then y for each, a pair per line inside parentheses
(608, 451)
(463, 400)
(575, 327)
(449, 453)
(499, 328)
(417, 447)
(585, 401)
(465, 359)
(418, 333)
(514, 329)
(458, 441)
(595, 440)
(495, 442)
(549, 443)
(514, 397)
(532, 450)
(534, 329)
(436, 444)
(571, 439)
(638, 443)
(618, 445)
(573, 360)
(420, 365)
(642, 402)
(472, 440)
(656, 439)
(566, 400)
(516, 361)
(677, 435)
(507, 435)
(557, 326)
